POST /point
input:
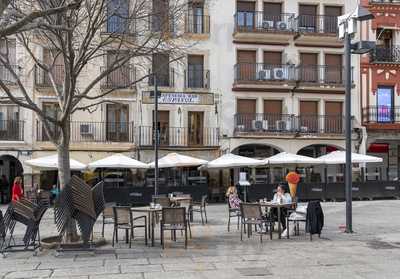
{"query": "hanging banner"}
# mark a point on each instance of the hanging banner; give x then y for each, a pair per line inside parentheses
(179, 98)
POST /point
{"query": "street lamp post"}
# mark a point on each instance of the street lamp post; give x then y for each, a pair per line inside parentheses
(156, 135)
(347, 29)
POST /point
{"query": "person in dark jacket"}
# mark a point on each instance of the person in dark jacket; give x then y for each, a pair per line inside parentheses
(315, 218)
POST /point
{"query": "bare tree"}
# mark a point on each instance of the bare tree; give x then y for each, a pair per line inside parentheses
(78, 37)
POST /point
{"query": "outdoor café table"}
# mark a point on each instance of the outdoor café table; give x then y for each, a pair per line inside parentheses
(279, 207)
(151, 213)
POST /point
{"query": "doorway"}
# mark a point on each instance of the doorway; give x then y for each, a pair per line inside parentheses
(196, 127)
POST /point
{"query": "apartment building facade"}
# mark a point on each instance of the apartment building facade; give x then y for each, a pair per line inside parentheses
(380, 85)
(260, 77)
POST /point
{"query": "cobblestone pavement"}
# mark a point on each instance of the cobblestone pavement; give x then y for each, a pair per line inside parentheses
(373, 251)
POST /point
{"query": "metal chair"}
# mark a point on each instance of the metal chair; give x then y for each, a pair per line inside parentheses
(108, 216)
(251, 214)
(201, 208)
(123, 220)
(173, 219)
(43, 198)
(163, 201)
(233, 213)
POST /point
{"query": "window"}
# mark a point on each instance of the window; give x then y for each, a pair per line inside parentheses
(245, 15)
(196, 17)
(117, 123)
(9, 47)
(51, 110)
(246, 114)
(272, 12)
(309, 117)
(118, 16)
(309, 71)
(333, 68)
(308, 18)
(330, 18)
(195, 75)
(160, 17)
(196, 125)
(163, 127)
(246, 60)
(121, 76)
(385, 104)
(333, 117)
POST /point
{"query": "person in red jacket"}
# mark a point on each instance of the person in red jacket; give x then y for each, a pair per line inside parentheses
(17, 191)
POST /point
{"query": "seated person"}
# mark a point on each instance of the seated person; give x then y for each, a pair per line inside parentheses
(281, 195)
(233, 199)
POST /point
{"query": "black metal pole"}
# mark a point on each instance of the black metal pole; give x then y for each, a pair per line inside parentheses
(156, 136)
(348, 178)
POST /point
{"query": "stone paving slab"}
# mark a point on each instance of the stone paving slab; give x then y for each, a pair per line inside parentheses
(373, 251)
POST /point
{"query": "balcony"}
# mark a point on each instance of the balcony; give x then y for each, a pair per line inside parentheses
(260, 27)
(164, 78)
(94, 132)
(266, 76)
(6, 75)
(381, 117)
(311, 28)
(121, 78)
(197, 79)
(197, 24)
(180, 137)
(11, 130)
(42, 78)
(389, 2)
(385, 55)
(259, 124)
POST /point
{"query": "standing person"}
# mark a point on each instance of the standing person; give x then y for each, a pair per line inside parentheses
(17, 191)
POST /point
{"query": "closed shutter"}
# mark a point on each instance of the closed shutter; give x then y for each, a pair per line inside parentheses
(246, 70)
(272, 11)
(245, 6)
(308, 108)
(160, 65)
(309, 120)
(309, 67)
(273, 58)
(246, 114)
(273, 107)
(333, 68)
(333, 117)
(330, 18)
(308, 18)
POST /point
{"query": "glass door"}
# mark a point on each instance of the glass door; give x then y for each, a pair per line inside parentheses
(385, 104)
(196, 126)
(117, 123)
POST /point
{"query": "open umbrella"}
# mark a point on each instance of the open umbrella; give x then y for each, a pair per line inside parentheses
(51, 163)
(233, 161)
(285, 158)
(339, 157)
(175, 160)
(118, 161)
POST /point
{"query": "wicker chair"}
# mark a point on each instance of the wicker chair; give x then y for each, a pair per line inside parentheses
(201, 208)
(233, 213)
(123, 220)
(251, 214)
(108, 216)
(173, 219)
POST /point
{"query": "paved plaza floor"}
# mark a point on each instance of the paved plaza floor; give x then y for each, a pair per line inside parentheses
(373, 251)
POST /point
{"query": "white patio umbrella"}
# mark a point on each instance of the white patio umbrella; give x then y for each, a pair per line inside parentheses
(51, 163)
(175, 160)
(285, 158)
(339, 157)
(233, 161)
(118, 161)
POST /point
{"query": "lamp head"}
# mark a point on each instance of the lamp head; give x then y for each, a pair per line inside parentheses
(362, 14)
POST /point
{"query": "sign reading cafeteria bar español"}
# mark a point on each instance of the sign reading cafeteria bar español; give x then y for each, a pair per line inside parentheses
(179, 98)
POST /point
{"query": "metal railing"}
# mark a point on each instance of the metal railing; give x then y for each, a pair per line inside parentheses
(259, 123)
(322, 24)
(119, 25)
(264, 72)
(262, 22)
(88, 131)
(197, 78)
(11, 130)
(381, 54)
(384, 1)
(381, 114)
(123, 77)
(321, 74)
(6, 75)
(42, 78)
(197, 24)
(179, 137)
(164, 78)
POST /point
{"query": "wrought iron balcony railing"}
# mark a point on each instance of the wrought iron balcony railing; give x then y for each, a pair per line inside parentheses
(11, 130)
(164, 78)
(384, 1)
(179, 137)
(197, 24)
(42, 78)
(321, 74)
(383, 54)
(263, 22)
(381, 114)
(197, 78)
(88, 131)
(6, 75)
(265, 123)
(322, 24)
(123, 77)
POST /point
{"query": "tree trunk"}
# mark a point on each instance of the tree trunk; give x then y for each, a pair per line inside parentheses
(64, 175)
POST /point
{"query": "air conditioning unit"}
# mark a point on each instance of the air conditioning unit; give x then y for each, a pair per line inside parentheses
(265, 125)
(268, 24)
(264, 74)
(281, 25)
(280, 73)
(86, 129)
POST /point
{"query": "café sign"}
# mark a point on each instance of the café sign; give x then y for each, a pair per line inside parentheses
(179, 98)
